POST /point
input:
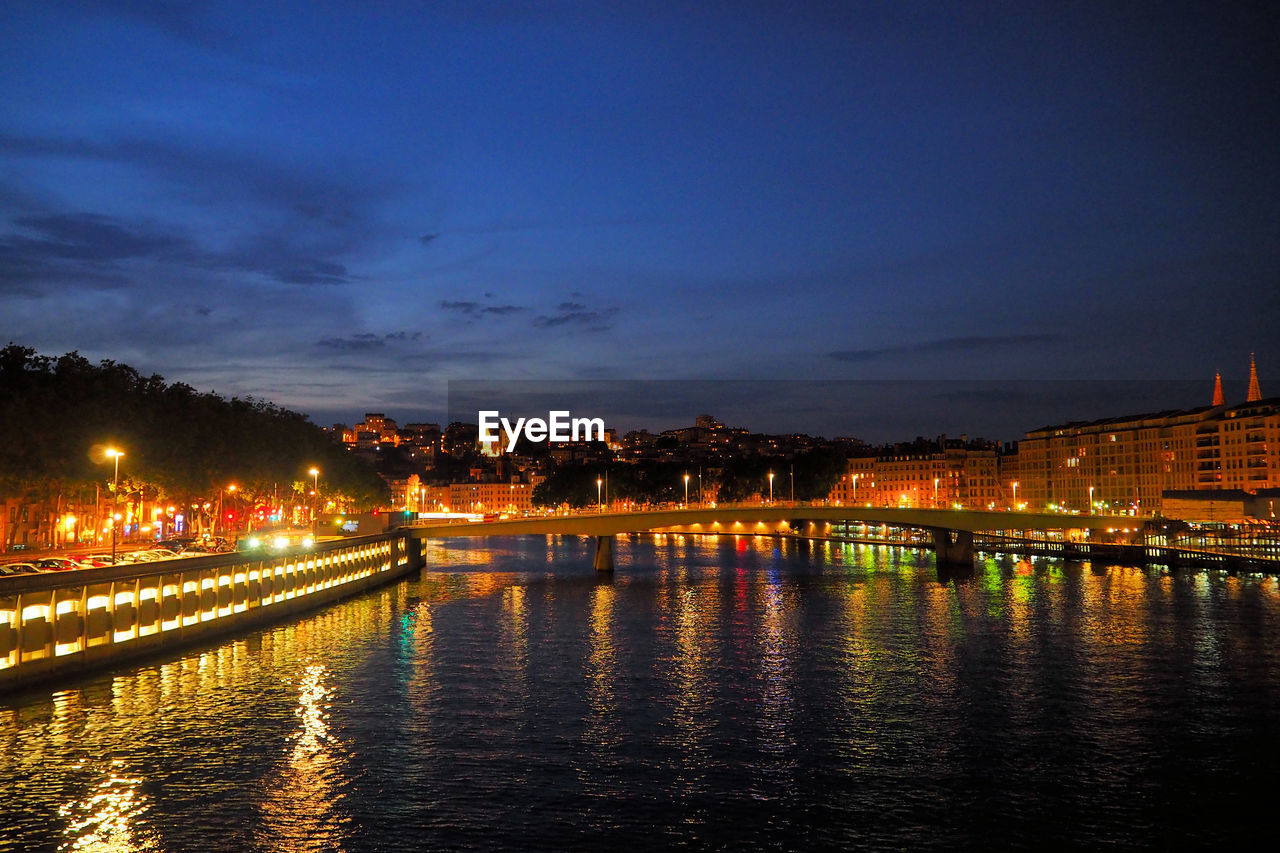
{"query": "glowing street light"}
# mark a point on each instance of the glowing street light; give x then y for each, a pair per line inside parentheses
(935, 492)
(770, 487)
(1091, 499)
(599, 493)
(686, 489)
(1015, 495)
(112, 453)
(315, 491)
(222, 521)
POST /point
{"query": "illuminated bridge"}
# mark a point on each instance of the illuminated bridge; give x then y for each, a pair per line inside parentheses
(952, 529)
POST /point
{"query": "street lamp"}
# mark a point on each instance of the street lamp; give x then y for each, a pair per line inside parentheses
(599, 493)
(1091, 500)
(770, 487)
(935, 492)
(793, 484)
(686, 489)
(112, 453)
(315, 493)
(222, 521)
(1015, 495)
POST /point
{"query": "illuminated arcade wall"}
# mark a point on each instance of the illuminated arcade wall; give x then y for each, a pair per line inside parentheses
(61, 623)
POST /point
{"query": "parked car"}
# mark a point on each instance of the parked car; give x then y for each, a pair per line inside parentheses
(56, 564)
(14, 569)
(194, 549)
(94, 561)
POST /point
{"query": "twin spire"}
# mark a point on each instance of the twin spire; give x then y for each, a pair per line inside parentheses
(1255, 391)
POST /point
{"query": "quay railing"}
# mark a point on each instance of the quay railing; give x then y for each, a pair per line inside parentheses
(60, 623)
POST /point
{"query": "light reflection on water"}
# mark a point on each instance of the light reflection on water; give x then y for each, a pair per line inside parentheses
(735, 692)
(105, 821)
(302, 807)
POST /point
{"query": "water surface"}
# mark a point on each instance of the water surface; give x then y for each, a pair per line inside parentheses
(715, 693)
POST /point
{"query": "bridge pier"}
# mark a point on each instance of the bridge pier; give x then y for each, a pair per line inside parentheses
(413, 550)
(953, 548)
(603, 561)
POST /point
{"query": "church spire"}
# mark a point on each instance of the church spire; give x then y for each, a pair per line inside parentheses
(1218, 399)
(1255, 393)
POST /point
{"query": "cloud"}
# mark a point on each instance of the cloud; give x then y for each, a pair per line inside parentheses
(83, 248)
(972, 343)
(367, 341)
(88, 247)
(86, 237)
(572, 315)
(293, 223)
(355, 343)
(476, 309)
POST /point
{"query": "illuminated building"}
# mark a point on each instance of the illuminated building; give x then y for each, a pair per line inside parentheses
(942, 474)
(491, 497)
(376, 429)
(1128, 463)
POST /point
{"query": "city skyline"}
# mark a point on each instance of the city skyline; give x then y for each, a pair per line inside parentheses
(346, 212)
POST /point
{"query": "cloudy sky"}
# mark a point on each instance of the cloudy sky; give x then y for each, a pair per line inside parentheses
(343, 207)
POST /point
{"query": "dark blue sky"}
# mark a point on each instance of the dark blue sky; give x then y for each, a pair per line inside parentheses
(342, 206)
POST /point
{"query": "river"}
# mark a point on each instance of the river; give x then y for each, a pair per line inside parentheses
(731, 693)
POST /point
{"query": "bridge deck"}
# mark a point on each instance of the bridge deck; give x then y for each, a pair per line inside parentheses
(741, 518)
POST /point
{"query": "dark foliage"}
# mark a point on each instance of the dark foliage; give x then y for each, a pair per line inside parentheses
(59, 414)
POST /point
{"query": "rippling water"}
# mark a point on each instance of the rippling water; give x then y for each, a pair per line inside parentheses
(734, 693)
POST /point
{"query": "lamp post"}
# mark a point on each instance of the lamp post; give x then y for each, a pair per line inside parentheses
(1015, 495)
(793, 484)
(599, 493)
(1091, 500)
(221, 526)
(115, 499)
(935, 492)
(315, 493)
(686, 489)
(770, 487)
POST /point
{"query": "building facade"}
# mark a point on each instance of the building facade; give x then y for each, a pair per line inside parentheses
(1128, 464)
(941, 474)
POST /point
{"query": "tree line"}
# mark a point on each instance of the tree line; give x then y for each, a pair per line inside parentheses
(660, 481)
(180, 445)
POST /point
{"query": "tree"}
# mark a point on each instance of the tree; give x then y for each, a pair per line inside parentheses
(185, 444)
